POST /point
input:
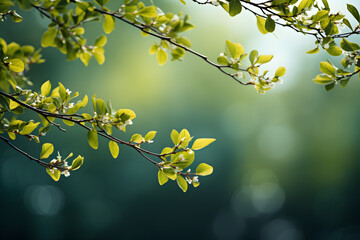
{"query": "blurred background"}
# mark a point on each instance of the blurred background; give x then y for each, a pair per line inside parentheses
(286, 164)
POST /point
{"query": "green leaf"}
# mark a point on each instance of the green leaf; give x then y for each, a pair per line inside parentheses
(162, 178)
(161, 56)
(174, 137)
(261, 24)
(137, 138)
(77, 162)
(235, 7)
(327, 68)
(101, 41)
(29, 128)
(150, 135)
(230, 48)
(353, 12)
(148, 12)
(16, 65)
(280, 72)
(201, 143)
(185, 137)
(85, 57)
(222, 60)
(46, 150)
(46, 88)
(313, 51)
(93, 138)
(334, 50)
(269, 24)
(170, 172)
(204, 169)
(101, 105)
(48, 38)
(253, 55)
(239, 50)
(54, 174)
(323, 79)
(262, 59)
(109, 24)
(182, 183)
(114, 149)
(320, 15)
(349, 46)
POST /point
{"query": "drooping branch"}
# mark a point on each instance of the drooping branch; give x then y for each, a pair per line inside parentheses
(44, 164)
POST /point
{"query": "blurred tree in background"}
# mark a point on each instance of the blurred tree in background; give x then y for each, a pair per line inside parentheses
(262, 195)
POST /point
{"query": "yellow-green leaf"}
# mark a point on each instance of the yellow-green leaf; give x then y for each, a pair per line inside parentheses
(93, 138)
(46, 88)
(161, 56)
(261, 24)
(174, 136)
(108, 24)
(114, 149)
(264, 59)
(327, 68)
(150, 135)
(162, 178)
(137, 138)
(182, 183)
(280, 72)
(323, 79)
(48, 38)
(46, 150)
(204, 169)
(170, 172)
(16, 65)
(148, 12)
(201, 143)
(54, 174)
(29, 128)
(77, 162)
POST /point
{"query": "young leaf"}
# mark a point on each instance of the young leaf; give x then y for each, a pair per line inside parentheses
(201, 143)
(16, 65)
(231, 48)
(170, 172)
(137, 138)
(114, 149)
(162, 178)
(204, 169)
(93, 138)
(280, 72)
(175, 136)
(46, 150)
(54, 173)
(182, 183)
(48, 38)
(313, 51)
(261, 24)
(77, 162)
(148, 12)
(46, 88)
(161, 56)
(108, 24)
(262, 59)
(327, 68)
(323, 79)
(150, 135)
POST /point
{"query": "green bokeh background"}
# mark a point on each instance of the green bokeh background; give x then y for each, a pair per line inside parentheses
(286, 163)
